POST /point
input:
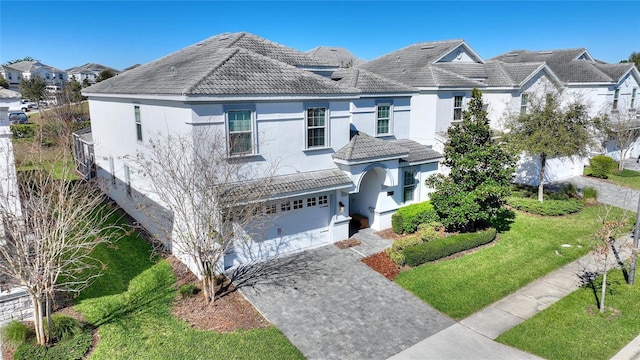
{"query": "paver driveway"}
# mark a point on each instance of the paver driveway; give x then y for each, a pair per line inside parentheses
(332, 306)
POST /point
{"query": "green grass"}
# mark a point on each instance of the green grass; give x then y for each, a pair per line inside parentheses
(566, 330)
(529, 250)
(627, 178)
(131, 305)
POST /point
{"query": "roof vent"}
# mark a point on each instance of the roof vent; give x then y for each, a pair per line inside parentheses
(404, 71)
(225, 37)
(545, 52)
(427, 47)
(398, 58)
(512, 54)
(173, 69)
(333, 49)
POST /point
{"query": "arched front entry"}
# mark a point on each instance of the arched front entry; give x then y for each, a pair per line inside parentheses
(365, 201)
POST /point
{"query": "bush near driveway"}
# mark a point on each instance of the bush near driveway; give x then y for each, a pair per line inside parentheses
(440, 248)
(407, 219)
(601, 166)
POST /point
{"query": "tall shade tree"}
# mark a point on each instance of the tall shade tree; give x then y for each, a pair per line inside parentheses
(33, 88)
(105, 74)
(550, 130)
(47, 237)
(480, 176)
(634, 58)
(3, 82)
(215, 200)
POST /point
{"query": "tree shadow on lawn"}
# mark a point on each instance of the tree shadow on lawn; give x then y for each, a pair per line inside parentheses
(503, 220)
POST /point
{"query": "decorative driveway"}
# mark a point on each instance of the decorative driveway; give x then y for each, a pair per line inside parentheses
(332, 306)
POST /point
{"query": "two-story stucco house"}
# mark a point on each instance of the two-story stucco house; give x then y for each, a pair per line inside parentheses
(50, 74)
(341, 137)
(606, 88)
(445, 72)
(88, 72)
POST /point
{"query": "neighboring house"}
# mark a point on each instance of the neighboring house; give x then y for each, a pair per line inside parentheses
(50, 74)
(336, 55)
(445, 72)
(12, 76)
(89, 71)
(341, 137)
(612, 89)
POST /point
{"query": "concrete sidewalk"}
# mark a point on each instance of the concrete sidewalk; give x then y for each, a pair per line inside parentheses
(473, 336)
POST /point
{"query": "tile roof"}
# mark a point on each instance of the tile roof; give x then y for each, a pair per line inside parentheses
(362, 148)
(570, 65)
(370, 83)
(417, 65)
(227, 64)
(418, 153)
(91, 67)
(305, 182)
(338, 56)
(411, 65)
(365, 148)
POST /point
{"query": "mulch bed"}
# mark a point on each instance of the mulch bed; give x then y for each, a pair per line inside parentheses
(381, 263)
(228, 313)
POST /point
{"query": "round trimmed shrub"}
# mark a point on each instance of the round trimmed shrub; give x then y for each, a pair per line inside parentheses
(601, 166)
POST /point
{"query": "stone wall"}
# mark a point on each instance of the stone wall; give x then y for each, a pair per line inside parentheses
(14, 304)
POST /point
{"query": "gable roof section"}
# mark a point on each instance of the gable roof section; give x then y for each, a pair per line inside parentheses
(90, 67)
(227, 64)
(570, 65)
(369, 83)
(411, 65)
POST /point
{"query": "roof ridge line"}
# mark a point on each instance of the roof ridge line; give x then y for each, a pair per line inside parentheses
(504, 71)
(233, 52)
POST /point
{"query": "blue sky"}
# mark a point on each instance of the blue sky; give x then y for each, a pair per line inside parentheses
(122, 33)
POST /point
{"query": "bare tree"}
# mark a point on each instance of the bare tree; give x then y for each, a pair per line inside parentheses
(50, 233)
(622, 127)
(216, 200)
(605, 246)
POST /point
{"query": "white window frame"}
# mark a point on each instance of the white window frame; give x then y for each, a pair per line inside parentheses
(324, 127)
(634, 94)
(285, 206)
(323, 200)
(311, 201)
(413, 185)
(616, 97)
(138, 121)
(389, 119)
(458, 108)
(524, 103)
(298, 204)
(252, 150)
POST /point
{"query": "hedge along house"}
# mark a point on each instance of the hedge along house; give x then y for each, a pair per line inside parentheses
(298, 111)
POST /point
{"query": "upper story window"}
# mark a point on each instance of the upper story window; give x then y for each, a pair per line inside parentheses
(634, 92)
(136, 111)
(240, 125)
(457, 108)
(524, 103)
(316, 127)
(383, 119)
(616, 96)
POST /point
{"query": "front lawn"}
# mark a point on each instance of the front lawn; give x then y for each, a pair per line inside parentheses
(530, 249)
(627, 178)
(131, 306)
(573, 328)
